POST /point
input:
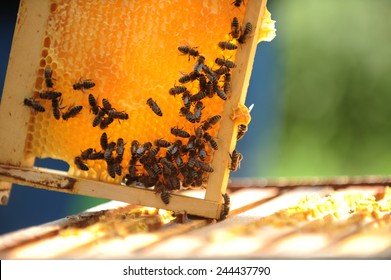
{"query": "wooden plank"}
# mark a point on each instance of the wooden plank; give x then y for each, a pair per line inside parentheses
(21, 73)
(299, 182)
(19, 238)
(57, 181)
(220, 240)
(234, 110)
(240, 236)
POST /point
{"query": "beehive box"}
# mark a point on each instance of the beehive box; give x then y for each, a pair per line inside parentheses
(126, 52)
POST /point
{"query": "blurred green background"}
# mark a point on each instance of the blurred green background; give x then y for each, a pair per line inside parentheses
(321, 92)
(332, 80)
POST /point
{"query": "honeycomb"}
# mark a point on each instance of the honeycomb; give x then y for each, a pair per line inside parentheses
(328, 211)
(129, 50)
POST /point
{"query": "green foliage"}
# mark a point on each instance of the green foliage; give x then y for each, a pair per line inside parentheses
(335, 90)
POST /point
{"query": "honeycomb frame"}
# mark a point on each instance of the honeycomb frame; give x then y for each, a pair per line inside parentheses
(17, 167)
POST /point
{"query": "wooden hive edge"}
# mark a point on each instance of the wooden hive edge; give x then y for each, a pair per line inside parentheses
(58, 181)
(234, 112)
(21, 72)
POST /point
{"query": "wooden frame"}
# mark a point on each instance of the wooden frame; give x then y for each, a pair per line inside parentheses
(16, 167)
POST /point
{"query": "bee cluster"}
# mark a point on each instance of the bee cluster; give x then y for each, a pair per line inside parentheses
(105, 114)
(56, 97)
(164, 165)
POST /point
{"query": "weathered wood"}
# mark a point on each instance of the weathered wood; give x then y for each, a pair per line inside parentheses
(58, 181)
(20, 80)
(234, 106)
(299, 182)
(109, 231)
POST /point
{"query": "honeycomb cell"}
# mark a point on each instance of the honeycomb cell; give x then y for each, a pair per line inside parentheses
(44, 53)
(53, 7)
(42, 63)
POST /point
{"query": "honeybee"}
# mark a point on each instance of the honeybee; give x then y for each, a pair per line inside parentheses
(244, 36)
(202, 80)
(184, 112)
(133, 172)
(211, 141)
(50, 94)
(198, 134)
(96, 155)
(151, 172)
(242, 129)
(191, 145)
(103, 141)
(206, 125)
(83, 84)
(192, 158)
(235, 30)
(198, 111)
(199, 179)
(186, 78)
(202, 152)
(226, 206)
(56, 108)
(147, 181)
(168, 167)
(227, 84)
(222, 70)
(225, 62)
(108, 154)
(236, 157)
(106, 104)
(173, 149)
(80, 164)
(142, 149)
(152, 153)
(237, 3)
(111, 168)
(93, 104)
(155, 108)
(120, 147)
(48, 77)
(165, 196)
(105, 122)
(213, 120)
(177, 90)
(179, 132)
(212, 76)
(186, 50)
(134, 147)
(72, 112)
(186, 98)
(198, 65)
(162, 143)
(178, 160)
(117, 166)
(209, 89)
(117, 115)
(156, 168)
(220, 92)
(204, 166)
(224, 45)
(96, 121)
(198, 96)
(86, 153)
(30, 102)
(172, 182)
